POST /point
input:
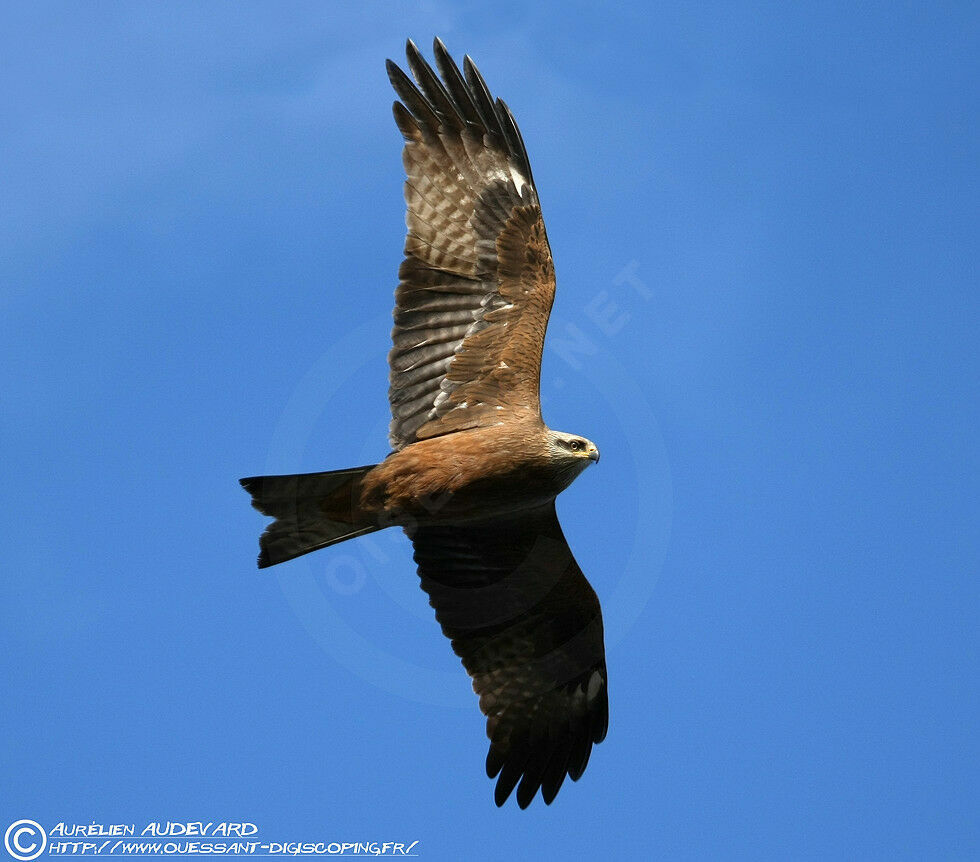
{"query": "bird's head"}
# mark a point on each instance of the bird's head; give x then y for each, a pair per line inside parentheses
(571, 450)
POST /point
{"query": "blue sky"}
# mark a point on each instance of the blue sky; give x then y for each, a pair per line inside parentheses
(764, 224)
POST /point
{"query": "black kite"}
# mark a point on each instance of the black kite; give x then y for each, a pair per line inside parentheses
(475, 471)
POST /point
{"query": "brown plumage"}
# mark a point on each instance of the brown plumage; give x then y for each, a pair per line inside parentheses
(475, 471)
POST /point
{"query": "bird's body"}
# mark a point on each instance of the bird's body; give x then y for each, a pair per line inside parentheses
(474, 471)
(470, 475)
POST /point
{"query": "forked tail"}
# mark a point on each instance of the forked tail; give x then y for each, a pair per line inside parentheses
(312, 511)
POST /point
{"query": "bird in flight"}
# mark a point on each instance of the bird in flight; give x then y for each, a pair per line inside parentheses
(474, 471)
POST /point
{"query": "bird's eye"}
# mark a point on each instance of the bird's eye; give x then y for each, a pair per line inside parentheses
(575, 445)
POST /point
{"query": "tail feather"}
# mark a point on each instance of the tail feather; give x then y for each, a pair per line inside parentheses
(311, 511)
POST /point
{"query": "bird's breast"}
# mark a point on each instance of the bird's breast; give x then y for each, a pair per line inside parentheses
(464, 476)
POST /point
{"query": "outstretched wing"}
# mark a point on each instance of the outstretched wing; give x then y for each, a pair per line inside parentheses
(477, 282)
(528, 627)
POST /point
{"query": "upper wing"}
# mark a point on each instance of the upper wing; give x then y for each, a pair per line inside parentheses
(527, 625)
(477, 282)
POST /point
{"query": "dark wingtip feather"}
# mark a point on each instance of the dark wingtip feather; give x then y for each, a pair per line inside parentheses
(495, 760)
(481, 95)
(505, 786)
(534, 771)
(576, 773)
(391, 67)
(433, 88)
(407, 124)
(412, 98)
(511, 773)
(458, 101)
(581, 744)
(413, 54)
(554, 776)
(515, 141)
(400, 81)
(453, 78)
(600, 725)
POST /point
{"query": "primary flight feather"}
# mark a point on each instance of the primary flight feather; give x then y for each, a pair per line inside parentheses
(475, 471)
